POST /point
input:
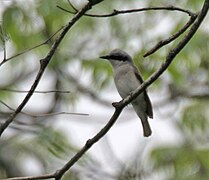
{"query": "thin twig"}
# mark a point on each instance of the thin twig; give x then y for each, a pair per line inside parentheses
(38, 92)
(30, 49)
(10, 108)
(118, 12)
(45, 114)
(55, 114)
(38, 114)
(171, 38)
(76, 10)
(46, 176)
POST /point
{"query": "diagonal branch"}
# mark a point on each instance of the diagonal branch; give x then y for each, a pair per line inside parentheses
(74, 8)
(29, 49)
(171, 38)
(43, 64)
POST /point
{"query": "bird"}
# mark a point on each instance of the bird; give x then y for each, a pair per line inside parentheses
(127, 78)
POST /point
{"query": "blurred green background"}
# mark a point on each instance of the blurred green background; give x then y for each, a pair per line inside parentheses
(180, 96)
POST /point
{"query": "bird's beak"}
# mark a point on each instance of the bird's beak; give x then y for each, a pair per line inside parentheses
(105, 57)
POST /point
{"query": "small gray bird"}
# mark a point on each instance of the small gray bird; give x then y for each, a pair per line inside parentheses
(127, 79)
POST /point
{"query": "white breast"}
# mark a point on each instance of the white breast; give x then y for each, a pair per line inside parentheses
(125, 79)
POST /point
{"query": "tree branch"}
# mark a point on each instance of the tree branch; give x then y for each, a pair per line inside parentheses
(46, 176)
(72, 5)
(38, 92)
(43, 114)
(118, 12)
(171, 38)
(29, 49)
(43, 64)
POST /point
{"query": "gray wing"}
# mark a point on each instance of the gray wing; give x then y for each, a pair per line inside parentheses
(149, 111)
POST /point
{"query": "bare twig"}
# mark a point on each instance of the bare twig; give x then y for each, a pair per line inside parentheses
(118, 12)
(171, 38)
(38, 92)
(76, 10)
(43, 64)
(45, 114)
(46, 176)
(65, 10)
(10, 108)
(30, 49)
(55, 114)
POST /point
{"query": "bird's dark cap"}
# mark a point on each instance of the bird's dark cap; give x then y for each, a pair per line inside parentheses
(117, 54)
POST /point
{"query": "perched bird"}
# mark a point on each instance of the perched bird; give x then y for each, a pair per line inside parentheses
(127, 79)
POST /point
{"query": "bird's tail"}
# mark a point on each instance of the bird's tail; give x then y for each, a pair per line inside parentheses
(146, 128)
(143, 116)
